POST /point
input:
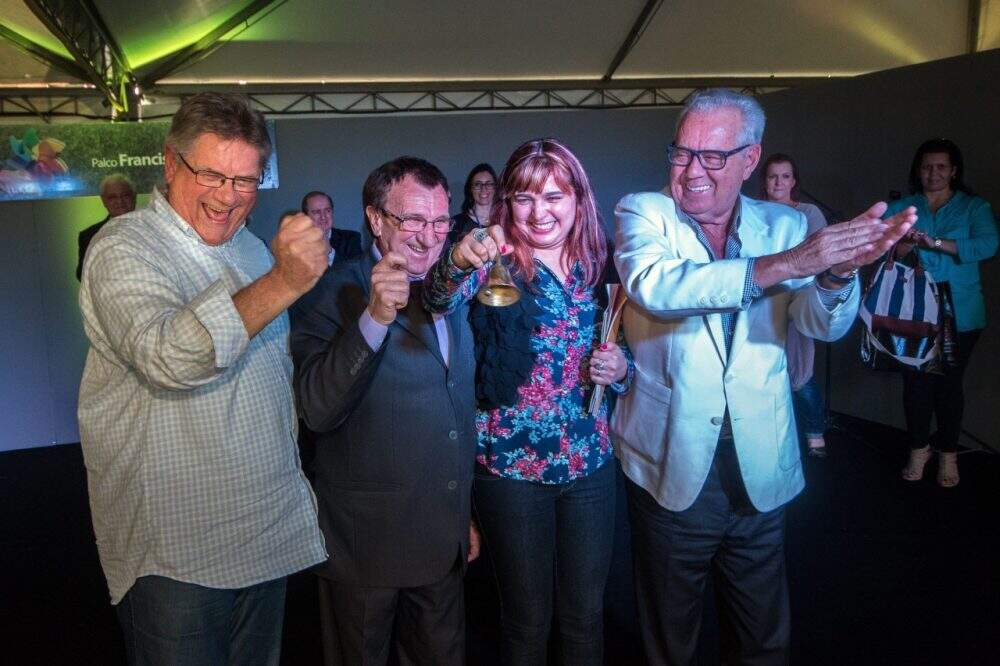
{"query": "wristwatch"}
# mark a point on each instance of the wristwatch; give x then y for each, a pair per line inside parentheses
(838, 280)
(937, 243)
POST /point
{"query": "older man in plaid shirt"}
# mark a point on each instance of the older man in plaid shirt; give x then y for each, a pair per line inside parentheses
(186, 413)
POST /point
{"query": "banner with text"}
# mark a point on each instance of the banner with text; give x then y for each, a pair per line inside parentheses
(54, 161)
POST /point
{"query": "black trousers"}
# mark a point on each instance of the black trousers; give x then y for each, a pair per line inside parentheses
(720, 534)
(942, 396)
(365, 626)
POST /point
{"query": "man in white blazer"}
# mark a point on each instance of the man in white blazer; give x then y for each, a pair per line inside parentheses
(707, 435)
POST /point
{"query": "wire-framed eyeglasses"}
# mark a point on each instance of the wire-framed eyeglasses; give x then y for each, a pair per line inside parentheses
(210, 178)
(416, 224)
(713, 160)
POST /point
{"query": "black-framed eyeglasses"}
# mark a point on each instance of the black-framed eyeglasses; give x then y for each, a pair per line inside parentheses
(210, 178)
(483, 186)
(713, 160)
(416, 224)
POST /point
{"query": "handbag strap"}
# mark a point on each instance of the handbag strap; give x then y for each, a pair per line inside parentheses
(893, 256)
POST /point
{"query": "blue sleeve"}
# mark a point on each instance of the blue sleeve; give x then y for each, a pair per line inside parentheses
(982, 241)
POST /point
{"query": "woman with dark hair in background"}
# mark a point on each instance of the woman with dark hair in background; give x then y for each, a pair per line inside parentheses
(955, 230)
(544, 486)
(480, 194)
(781, 185)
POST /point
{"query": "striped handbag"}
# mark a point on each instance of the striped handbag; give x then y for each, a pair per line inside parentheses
(902, 314)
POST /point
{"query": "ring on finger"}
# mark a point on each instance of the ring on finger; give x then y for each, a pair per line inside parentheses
(480, 234)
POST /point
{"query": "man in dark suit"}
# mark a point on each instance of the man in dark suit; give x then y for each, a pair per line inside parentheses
(118, 197)
(344, 245)
(389, 389)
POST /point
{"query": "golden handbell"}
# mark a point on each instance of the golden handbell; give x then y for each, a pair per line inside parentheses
(499, 290)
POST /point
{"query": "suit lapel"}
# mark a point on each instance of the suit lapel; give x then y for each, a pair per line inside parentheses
(714, 324)
(694, 248)
(417, 321)
(453, 322)
(755, 241)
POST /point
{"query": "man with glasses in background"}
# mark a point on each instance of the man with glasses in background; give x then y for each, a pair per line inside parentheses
(707, 436)
(187, 419)
(117, 197)
(389, 390)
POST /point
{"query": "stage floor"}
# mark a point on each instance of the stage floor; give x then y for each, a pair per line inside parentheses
(881, 571)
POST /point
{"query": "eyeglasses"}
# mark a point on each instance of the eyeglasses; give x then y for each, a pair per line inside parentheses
(214, 179)
(442, 225)
(483, 186)
(713, 160)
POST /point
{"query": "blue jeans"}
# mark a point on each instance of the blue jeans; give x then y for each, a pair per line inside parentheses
(169, 622)
(809, 409)
(533, 531)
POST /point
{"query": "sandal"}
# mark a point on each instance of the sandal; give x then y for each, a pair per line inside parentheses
(947, 476)
(817, 447)
(914, 470)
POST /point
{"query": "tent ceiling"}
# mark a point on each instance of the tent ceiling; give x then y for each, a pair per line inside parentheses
(365, 44)
(17, 68)
(797, 37)
(306, 40)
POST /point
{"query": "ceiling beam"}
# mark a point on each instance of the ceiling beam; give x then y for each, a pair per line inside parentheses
(43, 55)
(288, 99)
(498, 85)
(975, 16)
(645, 16)
(80, 28)
(203, 47)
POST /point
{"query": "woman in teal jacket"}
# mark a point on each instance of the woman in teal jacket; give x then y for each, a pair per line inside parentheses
(955, 230)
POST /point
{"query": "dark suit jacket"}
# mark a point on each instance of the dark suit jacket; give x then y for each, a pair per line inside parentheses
(83, 241)
(346, 243)
(396, 433)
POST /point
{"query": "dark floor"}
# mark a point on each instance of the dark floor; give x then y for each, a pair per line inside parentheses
(881, 572)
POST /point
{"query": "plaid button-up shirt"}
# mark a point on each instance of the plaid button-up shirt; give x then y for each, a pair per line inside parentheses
(188, 427)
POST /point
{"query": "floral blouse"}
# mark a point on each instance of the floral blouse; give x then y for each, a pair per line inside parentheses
(548, 436)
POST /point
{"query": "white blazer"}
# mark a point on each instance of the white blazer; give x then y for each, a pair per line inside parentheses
(667, 426)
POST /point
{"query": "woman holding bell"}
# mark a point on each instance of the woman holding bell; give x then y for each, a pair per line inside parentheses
(544, 488)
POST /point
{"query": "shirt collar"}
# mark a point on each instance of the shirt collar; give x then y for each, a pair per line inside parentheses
(734, 227)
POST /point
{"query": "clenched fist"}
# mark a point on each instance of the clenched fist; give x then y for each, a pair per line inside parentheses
(479, 247)
(608, 364)
(390, 288)
(300, 251)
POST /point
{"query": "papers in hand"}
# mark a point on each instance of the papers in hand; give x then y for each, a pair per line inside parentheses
(610, 324)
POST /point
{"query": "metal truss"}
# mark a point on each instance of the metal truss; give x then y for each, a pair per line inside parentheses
(354, 99)
(280, 104)
(78, 25)
(85, 105)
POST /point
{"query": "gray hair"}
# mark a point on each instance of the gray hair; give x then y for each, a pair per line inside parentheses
(713, 99)
(114, 178)
(228, 116)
